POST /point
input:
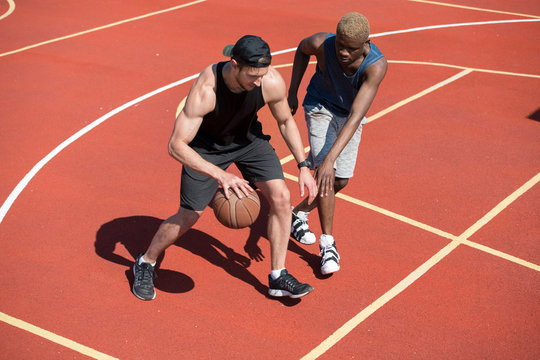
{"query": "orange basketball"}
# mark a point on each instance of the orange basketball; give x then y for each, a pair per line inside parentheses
(236, 213)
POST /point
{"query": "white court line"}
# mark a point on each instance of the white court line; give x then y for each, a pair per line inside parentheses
(422, 28)
(11, 8)
(29, 176)
(100, 28)
(474, 8)
(432, 27)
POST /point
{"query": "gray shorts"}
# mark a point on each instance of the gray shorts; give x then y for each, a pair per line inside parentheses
(257, 161)
(324, 128)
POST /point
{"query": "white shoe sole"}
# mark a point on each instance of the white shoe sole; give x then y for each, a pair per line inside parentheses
(329, 268)
(281, 293)
(308, 241)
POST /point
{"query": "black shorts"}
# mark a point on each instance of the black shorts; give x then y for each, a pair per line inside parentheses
(257, 161)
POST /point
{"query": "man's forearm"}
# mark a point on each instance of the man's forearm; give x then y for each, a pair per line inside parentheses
(300, 65)
(291, 135)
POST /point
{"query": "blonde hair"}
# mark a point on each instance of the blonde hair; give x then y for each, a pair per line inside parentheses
(354, 25)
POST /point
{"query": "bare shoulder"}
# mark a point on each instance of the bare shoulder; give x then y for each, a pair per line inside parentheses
(202, 96)
(207, 77)
(273, 85)
(313, 44)
(377, 70)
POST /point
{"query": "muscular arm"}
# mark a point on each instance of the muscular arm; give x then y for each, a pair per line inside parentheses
(200, 101)
(274, 95)
(373, 77)
(309, 46)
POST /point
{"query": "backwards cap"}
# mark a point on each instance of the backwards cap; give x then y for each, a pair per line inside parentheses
(250, 50)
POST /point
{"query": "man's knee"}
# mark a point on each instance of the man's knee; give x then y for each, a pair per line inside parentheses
(281, 199)
(186, 218)
(277, 194)
(340, 183)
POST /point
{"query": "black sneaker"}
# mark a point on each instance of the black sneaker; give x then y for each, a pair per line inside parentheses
(143, 286)
(287, 285)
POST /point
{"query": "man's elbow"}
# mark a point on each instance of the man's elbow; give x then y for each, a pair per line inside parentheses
(173, 149)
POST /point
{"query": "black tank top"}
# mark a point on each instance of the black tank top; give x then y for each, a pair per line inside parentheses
(233, 122)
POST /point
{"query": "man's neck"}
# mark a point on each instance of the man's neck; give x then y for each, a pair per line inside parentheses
(230, 80)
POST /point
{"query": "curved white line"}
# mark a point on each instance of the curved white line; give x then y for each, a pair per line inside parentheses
(422, 28)
(432, 27)
(11, 9)
(24, 182)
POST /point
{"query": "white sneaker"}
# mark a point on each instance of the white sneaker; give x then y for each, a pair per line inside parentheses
(300, 229)
(329, 258)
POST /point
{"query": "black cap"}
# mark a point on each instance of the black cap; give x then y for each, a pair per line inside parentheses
(250, 50)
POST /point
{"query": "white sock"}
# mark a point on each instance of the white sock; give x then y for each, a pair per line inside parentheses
(276, 273)
(141, 260)
(326, 240)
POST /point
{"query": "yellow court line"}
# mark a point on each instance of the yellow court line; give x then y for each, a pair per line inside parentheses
(475, 8)
(416, 274)
(412, 62)
(419, 95)
(11, 8)
(498, 72)
(500, 254)
(397, 105)
(464, 237)
(439, 232)
(380, 302)
(101, 28)
(70, 344)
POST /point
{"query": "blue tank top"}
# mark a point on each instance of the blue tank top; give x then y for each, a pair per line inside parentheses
(333, 88)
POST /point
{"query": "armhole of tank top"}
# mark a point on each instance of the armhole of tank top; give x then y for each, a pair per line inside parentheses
(219, 74)
(325, 42)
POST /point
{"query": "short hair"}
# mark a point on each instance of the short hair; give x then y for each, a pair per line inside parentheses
(354, 25)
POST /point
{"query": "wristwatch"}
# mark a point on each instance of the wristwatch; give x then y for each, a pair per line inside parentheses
(305, 163)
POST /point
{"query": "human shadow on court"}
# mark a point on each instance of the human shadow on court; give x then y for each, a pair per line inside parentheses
(135, 234)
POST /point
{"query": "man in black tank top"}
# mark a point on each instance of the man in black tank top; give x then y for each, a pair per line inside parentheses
(217, 127)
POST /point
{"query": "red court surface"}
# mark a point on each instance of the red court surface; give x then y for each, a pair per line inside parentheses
(438, 230)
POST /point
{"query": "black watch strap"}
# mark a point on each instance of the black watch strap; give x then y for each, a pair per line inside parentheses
(305, 163)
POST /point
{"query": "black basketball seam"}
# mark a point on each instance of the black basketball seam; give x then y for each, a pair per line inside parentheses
(247, 210)
(232, 212)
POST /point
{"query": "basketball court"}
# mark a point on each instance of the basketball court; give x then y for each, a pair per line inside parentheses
(438, 230)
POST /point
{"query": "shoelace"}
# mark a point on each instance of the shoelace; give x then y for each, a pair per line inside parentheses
(289, 281)
(146, 274)
(325, 250)
(302, 219)
(302, 216)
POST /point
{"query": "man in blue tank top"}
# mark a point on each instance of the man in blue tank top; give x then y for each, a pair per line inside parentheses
(349, 71)
(218, 126)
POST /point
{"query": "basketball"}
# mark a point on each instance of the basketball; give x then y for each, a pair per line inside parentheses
(236, 213)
